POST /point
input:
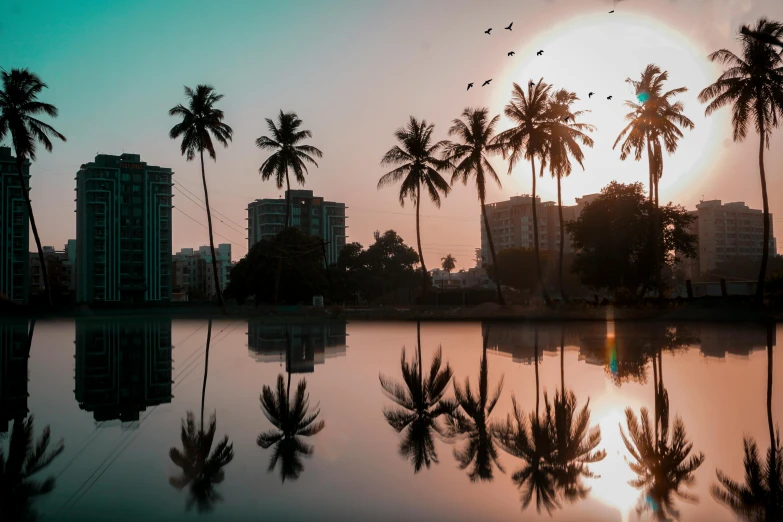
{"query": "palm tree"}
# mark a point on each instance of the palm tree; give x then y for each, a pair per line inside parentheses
(471, 419)
(18, 488)
(418, 167)
(201, 470)
(565, 137)
(762, 36)
(421, 403)
(19, 105)
(292, 422)
(201, 122)
(753, 85)
(760, 499)
(527, 140)
(448, 263)
(469, 158)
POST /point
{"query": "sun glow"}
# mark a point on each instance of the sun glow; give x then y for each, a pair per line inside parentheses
(596, 53)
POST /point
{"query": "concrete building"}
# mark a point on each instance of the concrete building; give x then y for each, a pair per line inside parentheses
(122, 368)
(14, 230)
(60, 267)
(470, 278)
(13, 371)
(123, 230)
(726, 232)
(301, 346)
(192, 270)
(310, 214)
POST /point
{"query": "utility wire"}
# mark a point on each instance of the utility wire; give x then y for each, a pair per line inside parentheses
(203, 225)
(202, 207)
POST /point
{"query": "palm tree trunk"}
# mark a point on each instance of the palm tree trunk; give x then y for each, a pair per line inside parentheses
(206, 368)
(535, 233)
(562, 361)
(562, 241)
(279, 270)
(211, 240)
(418, 343)
(418, 241)
(30, 336)
(772, 445)
(654, 228)
(535, 355)
(765, 246)
(655, 388)
(492, 252)
(29, 205)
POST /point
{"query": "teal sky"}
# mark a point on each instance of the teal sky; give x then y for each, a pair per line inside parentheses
(354, 70)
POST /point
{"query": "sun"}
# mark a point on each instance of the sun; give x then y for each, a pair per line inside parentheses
(596, 53)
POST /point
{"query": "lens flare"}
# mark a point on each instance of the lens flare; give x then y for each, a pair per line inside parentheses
(642, 97)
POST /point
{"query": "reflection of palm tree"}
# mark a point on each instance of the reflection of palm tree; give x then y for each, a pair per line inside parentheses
(471, 419)
(421, 403)
(201, 470)
(760, 499)
(17, 487)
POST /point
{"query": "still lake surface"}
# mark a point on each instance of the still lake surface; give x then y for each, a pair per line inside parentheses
(116, 392)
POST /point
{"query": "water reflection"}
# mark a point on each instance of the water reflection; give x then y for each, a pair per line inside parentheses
(122, 367)
(760, 498)
(300, 345)
(202, 467)
(289, 415)
(15, 342)
(421, 401)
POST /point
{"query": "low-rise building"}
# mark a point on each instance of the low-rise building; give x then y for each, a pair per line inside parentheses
(60, 269)
(192, 271)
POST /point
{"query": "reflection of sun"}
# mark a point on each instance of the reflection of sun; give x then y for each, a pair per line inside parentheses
(612, 487)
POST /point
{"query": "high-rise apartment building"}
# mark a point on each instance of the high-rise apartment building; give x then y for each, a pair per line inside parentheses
(726, 232)
(122, 368)
(123, 230)
(192, 270)
(310, 214)
(14, 230)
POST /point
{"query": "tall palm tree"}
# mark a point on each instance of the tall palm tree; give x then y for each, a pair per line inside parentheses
(528, 139)
(760, 498)
(418, 167)
(201, 122)
(448, 263)
(469, 159)
(420, 402)
(471, 419)
(18, 488)
(753, 85)
(762, 36)
(292, 421)
(201, 469)
(565, 137)
(19, 105)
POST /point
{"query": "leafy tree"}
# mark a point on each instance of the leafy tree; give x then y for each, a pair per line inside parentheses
(752, 85)
(517, 267)
(201, 121)
(469, 158)
(610, 238)
(418, 166)
(19, 105)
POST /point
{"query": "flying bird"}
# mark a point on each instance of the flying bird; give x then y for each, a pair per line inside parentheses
(486, 82)
(511, 53)
(470, 85)
(509, 26)
(612, 11)
(608, 97)
(590, 95)
(532, 83)
(488, 31)
(539, 53)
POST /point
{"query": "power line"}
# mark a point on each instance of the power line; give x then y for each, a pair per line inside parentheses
(212, 208)
(202, 207)
(203, 225)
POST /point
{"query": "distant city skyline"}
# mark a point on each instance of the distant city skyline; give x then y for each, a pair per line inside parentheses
(349, 77)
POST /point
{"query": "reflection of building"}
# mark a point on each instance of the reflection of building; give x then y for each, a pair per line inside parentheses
(302, 346)
(14, 230)
(122, 368)
(192, 270)
(13, 371)
(123, 230)
(737, 339)
(519, 340)
(312, 215)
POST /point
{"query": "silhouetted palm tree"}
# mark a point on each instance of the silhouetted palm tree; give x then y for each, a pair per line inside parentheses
(18, 488)
(764, 37)
(292, 422)
(565, 137)
(201, 470)
(469, 159)
(19, 106)
(760, 498)
(753, 86)
(527, 140)
(448, 263)
(421, 403)
(201, 121)
(471, 419)
(419, 166)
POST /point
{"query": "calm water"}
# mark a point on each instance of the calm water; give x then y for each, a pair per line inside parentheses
(116, 393)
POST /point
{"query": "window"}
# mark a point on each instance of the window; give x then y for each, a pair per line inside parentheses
(136, 188)
(125, 176)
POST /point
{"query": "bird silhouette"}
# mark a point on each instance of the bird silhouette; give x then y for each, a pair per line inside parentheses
(532, 83)
(488, 31)
(509, 26)
(539, 53)
(612, 11)
(486, 82)
(511, 53)
(608, 97)
(590, 95)
(470, 85)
